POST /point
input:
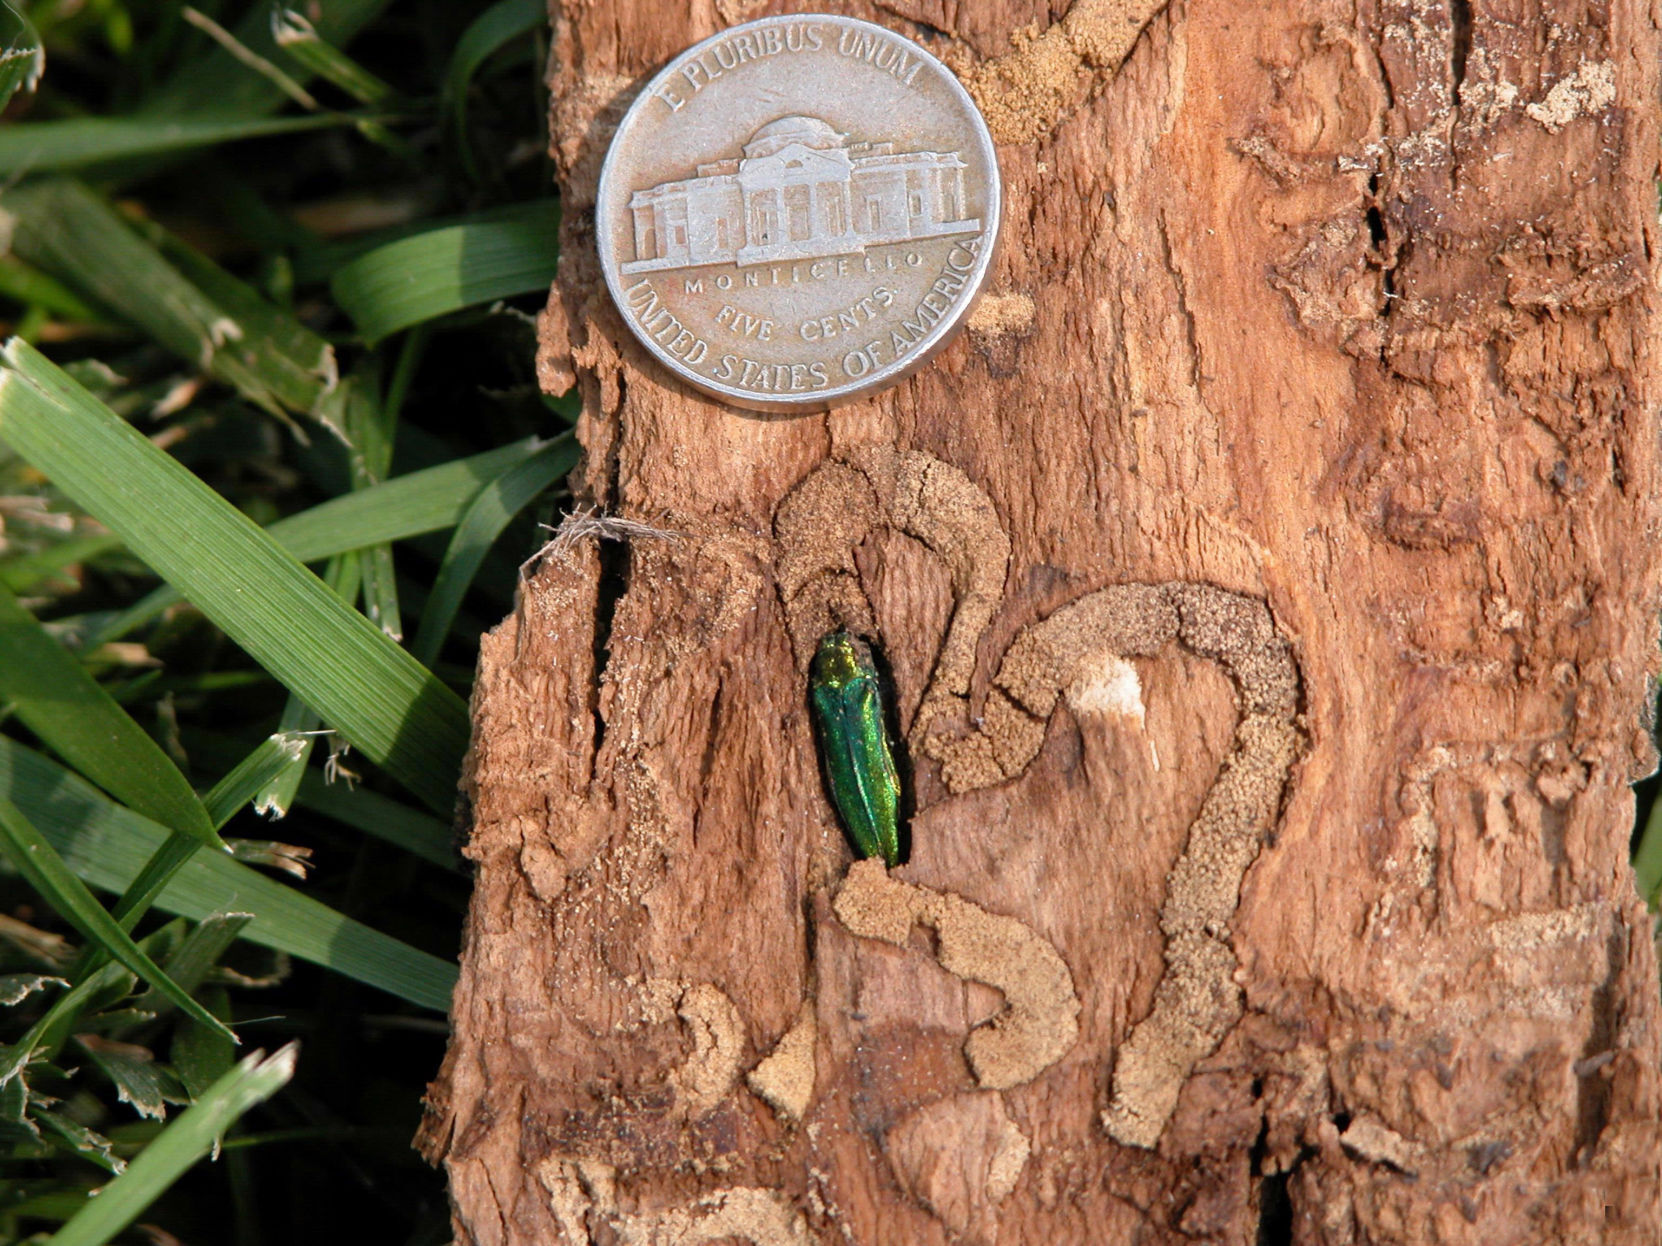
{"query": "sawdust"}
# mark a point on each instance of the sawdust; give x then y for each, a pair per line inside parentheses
(1080, 651)
(1527, 933)
(1134, 620)
(1589, 90)
(582, 1191)
(576, 1187)
(998, 313)
(706, 1077)
(748, 1213)
(1485, 93)
(1025, 93)
(824, 519)
(785, 1080)
(818, 527)
(1040, 1020)
(1198, 999)
(949, 513)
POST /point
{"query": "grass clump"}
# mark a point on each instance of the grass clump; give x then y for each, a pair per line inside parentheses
(271, 448)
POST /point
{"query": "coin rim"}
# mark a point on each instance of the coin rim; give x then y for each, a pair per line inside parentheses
(944, 330)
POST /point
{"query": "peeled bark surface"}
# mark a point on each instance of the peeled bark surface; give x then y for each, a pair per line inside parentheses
(1269, 577)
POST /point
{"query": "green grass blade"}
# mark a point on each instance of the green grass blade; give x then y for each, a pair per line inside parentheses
(176, 1148)
(497, 503)
(406, 506)
(22, 59)
(300, 721)
(323, 260)
(87, 1143)
(97, 991)
(433, 273)
(24, 572)
(64, 706)
(57, 146)
(295, 365)
(138, 1080)
(500, 24)
(245, 781)
(46, 872)
(410, 505)
(374, 693)
(200, 950)
(198, 1056)
(381, 591)
(52, 1029)
(419, 834)
(64, 228)
(370, 428)
(262, 65)
(275, 796)
(17, 987)
(382, 817)
(205, 316)
(28, 285)
(168, 859)
(107, 845)
(220, 85)
(49, 1206)
(292, 32)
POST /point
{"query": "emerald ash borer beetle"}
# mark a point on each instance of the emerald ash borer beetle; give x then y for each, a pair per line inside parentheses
(852, 722)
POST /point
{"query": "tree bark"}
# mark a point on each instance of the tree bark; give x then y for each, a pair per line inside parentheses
(1270, 581)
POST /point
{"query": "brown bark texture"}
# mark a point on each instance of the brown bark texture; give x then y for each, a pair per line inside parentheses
(1269, 576)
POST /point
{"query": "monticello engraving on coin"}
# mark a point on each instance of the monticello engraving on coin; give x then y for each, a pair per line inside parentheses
(798, 211)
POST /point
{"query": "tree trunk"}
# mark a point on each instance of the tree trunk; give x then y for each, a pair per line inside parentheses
(1270, 579)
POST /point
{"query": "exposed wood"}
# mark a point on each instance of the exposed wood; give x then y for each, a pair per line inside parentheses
(1279, 892)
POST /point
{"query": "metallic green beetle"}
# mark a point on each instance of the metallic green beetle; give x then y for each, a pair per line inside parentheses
(854, 740)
